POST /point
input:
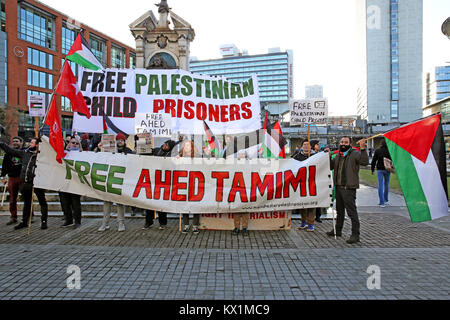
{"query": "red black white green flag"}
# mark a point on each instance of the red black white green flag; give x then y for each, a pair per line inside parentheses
(212, 143)
(418, 154)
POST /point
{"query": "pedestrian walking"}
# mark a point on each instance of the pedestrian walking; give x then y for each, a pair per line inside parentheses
(383, 175)
(346, 166)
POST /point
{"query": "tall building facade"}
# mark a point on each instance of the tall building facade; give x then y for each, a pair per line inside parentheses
(35, 39)
(437, 84)
(274, 71)
(390, 36)
(314, 92)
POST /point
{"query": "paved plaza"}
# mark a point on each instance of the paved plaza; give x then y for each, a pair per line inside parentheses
(412, 260)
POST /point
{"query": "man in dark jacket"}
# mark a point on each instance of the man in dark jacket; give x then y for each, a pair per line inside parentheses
(12, 167)
(28, 161)
(346, 180)
(382, 174)
(164, 151)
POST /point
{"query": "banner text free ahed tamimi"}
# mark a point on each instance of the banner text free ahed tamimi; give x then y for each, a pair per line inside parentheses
(188, 185)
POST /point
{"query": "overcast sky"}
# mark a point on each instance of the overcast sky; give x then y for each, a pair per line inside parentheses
(321, 34)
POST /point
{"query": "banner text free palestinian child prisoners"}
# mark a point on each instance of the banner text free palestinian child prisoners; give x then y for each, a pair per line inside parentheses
(228, 108)
(188, 185)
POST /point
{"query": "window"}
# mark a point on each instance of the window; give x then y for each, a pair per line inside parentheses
(3, 16)
(394, 109)
(37, 27)
(98, 48)
(74, 66)
(40, 79)
(68, 37)
(40, 58)
(117, 57)
(132, 60)
(65, 104)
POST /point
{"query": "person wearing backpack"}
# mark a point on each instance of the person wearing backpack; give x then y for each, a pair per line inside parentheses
(383, 174)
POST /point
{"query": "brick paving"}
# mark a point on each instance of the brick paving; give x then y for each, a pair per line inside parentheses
(271, 265)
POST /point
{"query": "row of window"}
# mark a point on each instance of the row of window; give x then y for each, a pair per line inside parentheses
(394, 59)
(40, 79)
(39, 28)
(236, 65)
(248, 75)
(239, 59)
(242, 69)
(40, 58)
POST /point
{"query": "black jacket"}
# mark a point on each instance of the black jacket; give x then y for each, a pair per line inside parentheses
(28, 161)
(159, 152)
(377, 159)
(300, 156)
(11, 166)
(124, 150)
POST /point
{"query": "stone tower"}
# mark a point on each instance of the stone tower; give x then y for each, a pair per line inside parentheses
(162, 43)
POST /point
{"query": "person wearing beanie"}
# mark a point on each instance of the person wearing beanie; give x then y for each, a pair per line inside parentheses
(121, 148)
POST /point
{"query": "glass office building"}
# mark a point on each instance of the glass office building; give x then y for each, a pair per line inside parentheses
(274, 71)
(437, 84)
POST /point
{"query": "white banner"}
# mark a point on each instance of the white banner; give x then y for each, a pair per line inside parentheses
(309, 111)
(189, 185)
(118, 94)
(271, 220)
(37, 106)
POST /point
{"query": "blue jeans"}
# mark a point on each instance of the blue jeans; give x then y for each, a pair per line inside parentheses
(383, 185)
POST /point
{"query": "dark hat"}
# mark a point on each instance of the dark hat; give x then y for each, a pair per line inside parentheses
(85, 136)
(170, 143)
(314, 142)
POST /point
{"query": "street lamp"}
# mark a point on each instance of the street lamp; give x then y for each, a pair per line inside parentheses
(446, 27)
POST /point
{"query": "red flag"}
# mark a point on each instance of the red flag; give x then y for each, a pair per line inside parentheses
(56, 138)
(68, 87)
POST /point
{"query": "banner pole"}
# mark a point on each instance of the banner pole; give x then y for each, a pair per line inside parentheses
(179, 225)
(3, 196)
(309, 141)
(31, 211)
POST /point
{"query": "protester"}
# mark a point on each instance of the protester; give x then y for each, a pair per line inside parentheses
(84, 145)
(12, 166)
(28, 162)
(315, 146)
(67, 141)
(71, 203)
(346, 179)
(238, 217)
(308, 214)
(188, 149)
(164, 151)
(121, 148)
(383, 175)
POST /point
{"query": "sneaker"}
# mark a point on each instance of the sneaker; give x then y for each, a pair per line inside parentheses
(244, 232)
(67, 224)
(103, 228)
(235, 231)
(303, 225)
(44, 225)
(353, 239)
(186, 229)
(162, 227)
(12, 221)
(331, 233)
(310, 228)
(76, 225)
(195, 230)
(382, 206)
(147, 225)
(121, 227)
(21, 226)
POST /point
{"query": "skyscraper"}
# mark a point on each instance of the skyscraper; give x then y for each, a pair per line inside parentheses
(391, 54)
(437, 84)
(274, 70)
(314, 92)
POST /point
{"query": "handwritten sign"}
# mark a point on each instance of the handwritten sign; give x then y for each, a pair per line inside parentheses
(309, 111)
(158, 124)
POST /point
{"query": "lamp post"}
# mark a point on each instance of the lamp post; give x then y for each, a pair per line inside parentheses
(446, 27)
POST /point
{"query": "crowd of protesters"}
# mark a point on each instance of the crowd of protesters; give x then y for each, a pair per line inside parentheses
(19, 166)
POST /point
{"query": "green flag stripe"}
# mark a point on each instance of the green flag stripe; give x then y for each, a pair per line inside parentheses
(82, 61)
(409, 181)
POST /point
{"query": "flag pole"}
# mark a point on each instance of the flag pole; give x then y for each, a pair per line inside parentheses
(3, 196)
(309, 136)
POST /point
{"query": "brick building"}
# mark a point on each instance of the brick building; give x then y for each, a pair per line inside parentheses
(34, 40)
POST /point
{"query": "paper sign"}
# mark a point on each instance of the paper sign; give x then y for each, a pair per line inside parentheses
(309, 111)
(109, 143)
(157, 124)
(37, 106)
(144, 145)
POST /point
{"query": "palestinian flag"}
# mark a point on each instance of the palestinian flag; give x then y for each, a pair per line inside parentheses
(82, 55)
(212, 143)
(273, 141)
(277, 128)
(418, 154)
